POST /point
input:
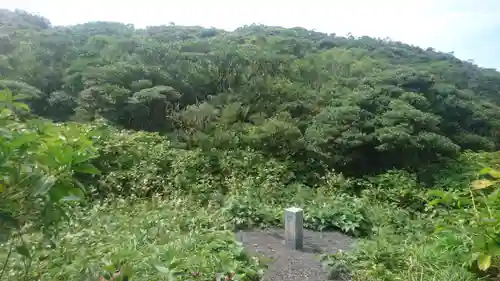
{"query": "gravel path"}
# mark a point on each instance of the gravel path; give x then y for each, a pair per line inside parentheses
(289, 265)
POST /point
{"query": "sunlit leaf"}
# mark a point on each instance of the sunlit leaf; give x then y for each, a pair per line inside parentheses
(481, 184)
(491, 172)
(45, 184)
(484, 171)
(484, 262)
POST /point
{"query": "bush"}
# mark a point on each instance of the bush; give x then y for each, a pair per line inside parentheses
(398, 188)
(38, 164)
(401, 248)
(454, 237)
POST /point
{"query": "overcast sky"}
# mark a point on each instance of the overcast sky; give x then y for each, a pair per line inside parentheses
(469, 28)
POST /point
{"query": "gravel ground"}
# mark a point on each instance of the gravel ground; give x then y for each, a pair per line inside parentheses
(290, 265)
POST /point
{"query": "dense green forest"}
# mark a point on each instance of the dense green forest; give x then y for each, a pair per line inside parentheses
(201, 131)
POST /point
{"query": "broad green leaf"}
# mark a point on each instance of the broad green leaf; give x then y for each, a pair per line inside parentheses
(86, 168)
(25, 138)
(484, 262)
(162, 269)
(75, 194)
(434, 202)
(45, 184)
(481, 184)
(484, 171)
(491, 172)
(23, 250)
(462, 201)
(63, 190)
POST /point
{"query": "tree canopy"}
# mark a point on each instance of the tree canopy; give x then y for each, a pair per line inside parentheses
(321, 101)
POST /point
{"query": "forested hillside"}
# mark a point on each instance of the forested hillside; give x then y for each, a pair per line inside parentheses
(354, 104)
(243, 123)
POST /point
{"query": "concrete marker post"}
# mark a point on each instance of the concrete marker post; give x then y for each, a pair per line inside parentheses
(294, 228)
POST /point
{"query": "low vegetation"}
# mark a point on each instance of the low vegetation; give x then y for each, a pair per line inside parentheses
(134, 154)
(454, 237)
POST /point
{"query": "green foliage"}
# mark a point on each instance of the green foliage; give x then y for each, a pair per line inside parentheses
(251, 188)
(38, 162)
(397, 188)
(146, 240)
(455, 237)
(476, 215)
(191, 133)
(337, 212)
(459, 173)
(358, 105)
(403, 248)
(131, 164)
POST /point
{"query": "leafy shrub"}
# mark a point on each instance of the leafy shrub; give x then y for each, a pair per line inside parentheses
(405, 250)
(131, 163)
(338, 212)
(476, 215)
(454, 238)
(398, 188)
(247, 212)
(456, 174)
(38, 164)
(142, 164)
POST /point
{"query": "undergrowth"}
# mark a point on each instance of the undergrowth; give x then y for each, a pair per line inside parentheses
(186, 231)
(82, 202)
(452, 236)
(151, 240)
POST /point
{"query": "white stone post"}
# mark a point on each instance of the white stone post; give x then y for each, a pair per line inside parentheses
(294, 232)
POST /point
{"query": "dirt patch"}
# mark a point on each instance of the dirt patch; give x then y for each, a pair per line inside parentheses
(290, 265)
